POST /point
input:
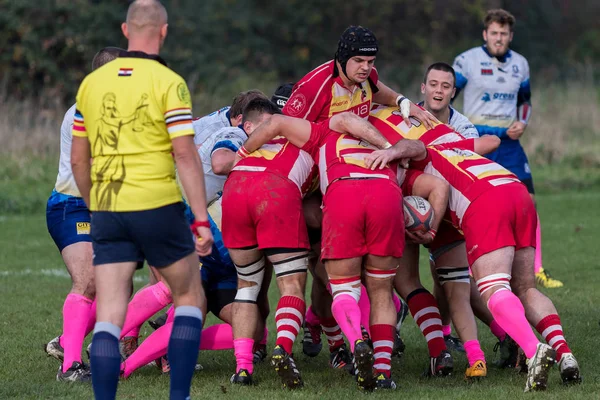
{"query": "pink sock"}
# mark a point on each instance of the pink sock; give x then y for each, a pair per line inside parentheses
(365, 309)
(92, 319)
(217, 337)
(243, 354)
(155, 346)
(347, 314)
(509, 313)
(171, 314)
(145, 304)
(397, 302)
(538, 247)
(311, 318)
(497, 330)
(474, 352)
(446, 329)
(76, 314)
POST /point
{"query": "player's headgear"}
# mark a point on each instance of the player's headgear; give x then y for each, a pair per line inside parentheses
(282, 94)
(355, 41)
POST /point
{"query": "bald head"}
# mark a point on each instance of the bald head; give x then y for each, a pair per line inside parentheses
(145, 15)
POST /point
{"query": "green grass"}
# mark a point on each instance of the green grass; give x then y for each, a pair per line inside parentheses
(33, 289)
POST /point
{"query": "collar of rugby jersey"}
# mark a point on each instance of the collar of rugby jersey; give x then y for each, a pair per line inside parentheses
(338, 79)
(141, 54)
(502, 59)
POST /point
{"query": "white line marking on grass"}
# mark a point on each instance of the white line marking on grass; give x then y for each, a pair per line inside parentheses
(58, 273)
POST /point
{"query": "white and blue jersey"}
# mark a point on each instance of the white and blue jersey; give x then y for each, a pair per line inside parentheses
(67, 217)
(230, 138)
(460, 123)
(206, 126)
(496, 94)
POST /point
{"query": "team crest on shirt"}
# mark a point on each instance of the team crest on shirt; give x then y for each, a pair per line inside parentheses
(183, 93)
(501, 80)
(297, 104)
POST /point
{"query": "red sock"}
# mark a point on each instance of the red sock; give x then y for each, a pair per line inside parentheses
(552, 332)
(288, 319)
(426, 314)
(383, 343)
(333, 333)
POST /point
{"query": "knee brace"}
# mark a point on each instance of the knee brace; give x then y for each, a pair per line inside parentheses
(502, 281)
(255, 273)
(453, 275)
(292, 265)
(380, 273)
(349, 286)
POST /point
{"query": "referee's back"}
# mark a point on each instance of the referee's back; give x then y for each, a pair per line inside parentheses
(130, 110)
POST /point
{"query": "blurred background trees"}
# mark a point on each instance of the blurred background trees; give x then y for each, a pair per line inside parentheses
(221, 47)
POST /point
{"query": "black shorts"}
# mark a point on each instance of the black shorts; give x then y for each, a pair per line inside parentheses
(161, 236)
(529, 183)
(217, 299)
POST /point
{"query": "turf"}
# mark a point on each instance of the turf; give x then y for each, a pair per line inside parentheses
(33, 284)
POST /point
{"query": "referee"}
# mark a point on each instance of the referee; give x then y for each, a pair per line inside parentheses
(133, 117)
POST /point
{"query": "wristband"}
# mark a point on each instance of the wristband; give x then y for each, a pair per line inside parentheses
(197, 224)
(242, 152)
(387, 145)
(400, 99)
(433, 232)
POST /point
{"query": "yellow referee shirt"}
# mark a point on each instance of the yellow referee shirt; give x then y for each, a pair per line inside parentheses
(130, 109)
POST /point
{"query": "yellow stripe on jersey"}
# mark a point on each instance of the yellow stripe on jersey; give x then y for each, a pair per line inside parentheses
(269, 151)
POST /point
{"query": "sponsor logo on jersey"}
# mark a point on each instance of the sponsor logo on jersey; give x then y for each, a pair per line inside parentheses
(486, 63)
(362, 110)
(504, 96)
(487, 71)
(501, 80)
(515, 69)
(486, 97)
(83, 228)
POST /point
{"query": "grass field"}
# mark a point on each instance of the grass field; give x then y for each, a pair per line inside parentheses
(33, 284)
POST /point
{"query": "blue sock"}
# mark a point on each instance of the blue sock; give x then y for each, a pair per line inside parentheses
(106, 360)
(184, 346)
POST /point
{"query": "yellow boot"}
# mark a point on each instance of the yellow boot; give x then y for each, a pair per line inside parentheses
(478, 370)
(544, 279)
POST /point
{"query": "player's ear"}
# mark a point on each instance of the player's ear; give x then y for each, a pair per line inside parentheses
(422, 88)
(125, 30)
(510, 37)
(248, 127)
(485, 35)
(163, 31)
(453, 92)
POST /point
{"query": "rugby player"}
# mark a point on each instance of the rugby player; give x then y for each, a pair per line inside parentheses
(282, 94)
(68, 221)
(133, 116)
(349, 82)
(497, 99)
(485, 198)
(351, 230)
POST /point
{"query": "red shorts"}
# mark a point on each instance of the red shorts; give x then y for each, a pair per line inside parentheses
(447, 238)
(362, 216)
(262, 209)
(501, 217)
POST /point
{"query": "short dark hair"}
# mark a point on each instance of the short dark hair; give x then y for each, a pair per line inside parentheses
(440, 66)
(257, 107)
(242, 100)
(499, 16)
(105, 56)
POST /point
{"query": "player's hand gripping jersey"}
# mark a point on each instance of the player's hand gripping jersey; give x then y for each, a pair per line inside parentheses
(496, 94)
(322, 94)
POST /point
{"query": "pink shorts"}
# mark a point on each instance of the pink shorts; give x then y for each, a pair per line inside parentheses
(501, 217)
(262, 209)
(360, 217)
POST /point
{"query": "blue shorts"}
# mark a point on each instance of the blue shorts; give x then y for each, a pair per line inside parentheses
(161, 236)
(68, 220)
(511, 156)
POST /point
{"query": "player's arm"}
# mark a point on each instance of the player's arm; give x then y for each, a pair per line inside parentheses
(387, 96)
(437, 192)
(461, 72)
(81, 166)
(482, 145)
(517, 128)
(222, 161)
(296, 130)
(405, 150)
(358, 127)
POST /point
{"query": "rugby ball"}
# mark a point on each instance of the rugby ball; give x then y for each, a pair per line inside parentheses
(418, 214)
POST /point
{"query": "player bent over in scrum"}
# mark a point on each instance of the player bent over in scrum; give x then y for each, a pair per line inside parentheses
(352, 232)
(486, 198)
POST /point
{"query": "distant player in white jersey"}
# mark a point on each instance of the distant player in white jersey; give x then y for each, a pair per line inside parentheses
(68, 221)
(225, 117)
(495, 80)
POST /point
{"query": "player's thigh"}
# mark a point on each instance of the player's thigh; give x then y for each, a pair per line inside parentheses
(407, 276)
(78, 260)
(492, 264)
(343, 268)
(183, 278)
(113, 281)
(237, 225)
(384, 232)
